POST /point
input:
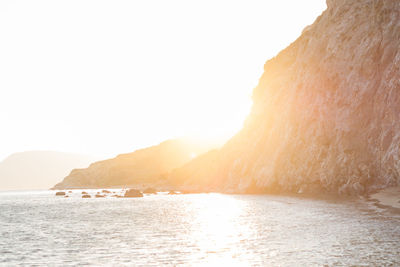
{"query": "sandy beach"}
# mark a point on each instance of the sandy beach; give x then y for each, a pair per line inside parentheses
(389, 197)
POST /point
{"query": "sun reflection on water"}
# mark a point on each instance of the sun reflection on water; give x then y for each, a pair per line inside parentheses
(218, 227)
(193, 230)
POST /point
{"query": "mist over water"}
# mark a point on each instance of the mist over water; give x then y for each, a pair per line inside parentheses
(37, 228)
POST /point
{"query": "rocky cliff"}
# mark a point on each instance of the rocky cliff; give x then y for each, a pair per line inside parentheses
(144, 166)
(326, 111)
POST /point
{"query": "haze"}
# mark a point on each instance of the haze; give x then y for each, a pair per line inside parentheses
(106, 77)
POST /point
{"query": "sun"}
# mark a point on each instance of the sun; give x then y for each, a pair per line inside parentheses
(216, 122)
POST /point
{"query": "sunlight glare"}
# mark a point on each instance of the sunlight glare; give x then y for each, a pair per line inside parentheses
(120, 75)
(219, 219)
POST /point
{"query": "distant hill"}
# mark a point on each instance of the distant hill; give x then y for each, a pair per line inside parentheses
(143, 166)
(38, 169)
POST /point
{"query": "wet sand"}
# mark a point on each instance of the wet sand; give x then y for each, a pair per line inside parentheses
(389, 197)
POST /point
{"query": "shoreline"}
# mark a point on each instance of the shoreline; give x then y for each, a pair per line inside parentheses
(388, 198)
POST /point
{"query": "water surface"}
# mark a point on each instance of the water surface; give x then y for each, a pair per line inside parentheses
(37, 228)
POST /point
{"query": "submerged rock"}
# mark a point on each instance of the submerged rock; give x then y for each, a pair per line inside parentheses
(105, 191)
(133, 193)
(60, 194)
(86, 196)
(84, 193)
(99, 195)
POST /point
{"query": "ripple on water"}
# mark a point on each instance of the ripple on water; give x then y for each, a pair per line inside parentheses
(212, 229)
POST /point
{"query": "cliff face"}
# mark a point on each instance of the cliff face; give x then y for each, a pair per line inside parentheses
(142, 166)
(326, 111)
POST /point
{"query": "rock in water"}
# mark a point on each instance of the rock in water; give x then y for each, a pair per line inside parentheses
(150, 190)
(86, 196)
(133, 193)
(326, 111)
(60, 194)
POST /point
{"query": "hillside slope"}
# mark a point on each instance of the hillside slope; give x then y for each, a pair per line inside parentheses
(142, 166)
(326, 111)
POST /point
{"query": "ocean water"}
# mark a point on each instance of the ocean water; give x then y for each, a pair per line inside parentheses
(40, 229)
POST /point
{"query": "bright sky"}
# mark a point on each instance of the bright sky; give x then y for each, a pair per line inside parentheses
(106, 77)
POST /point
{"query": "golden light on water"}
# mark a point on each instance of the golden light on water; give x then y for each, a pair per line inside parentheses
(218, 226)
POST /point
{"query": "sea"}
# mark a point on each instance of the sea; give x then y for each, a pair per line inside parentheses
(38, 228)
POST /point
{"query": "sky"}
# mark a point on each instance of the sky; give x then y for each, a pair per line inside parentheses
(104, 77)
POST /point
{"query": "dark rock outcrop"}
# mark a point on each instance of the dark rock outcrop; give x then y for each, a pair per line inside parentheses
(133, 193)
(326, 112)
(150, 190)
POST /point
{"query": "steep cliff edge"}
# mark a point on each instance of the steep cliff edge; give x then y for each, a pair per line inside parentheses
(326, 111)
(142, 166)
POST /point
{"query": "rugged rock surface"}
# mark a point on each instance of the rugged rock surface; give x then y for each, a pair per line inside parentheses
(142, 166)
(326, 111)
